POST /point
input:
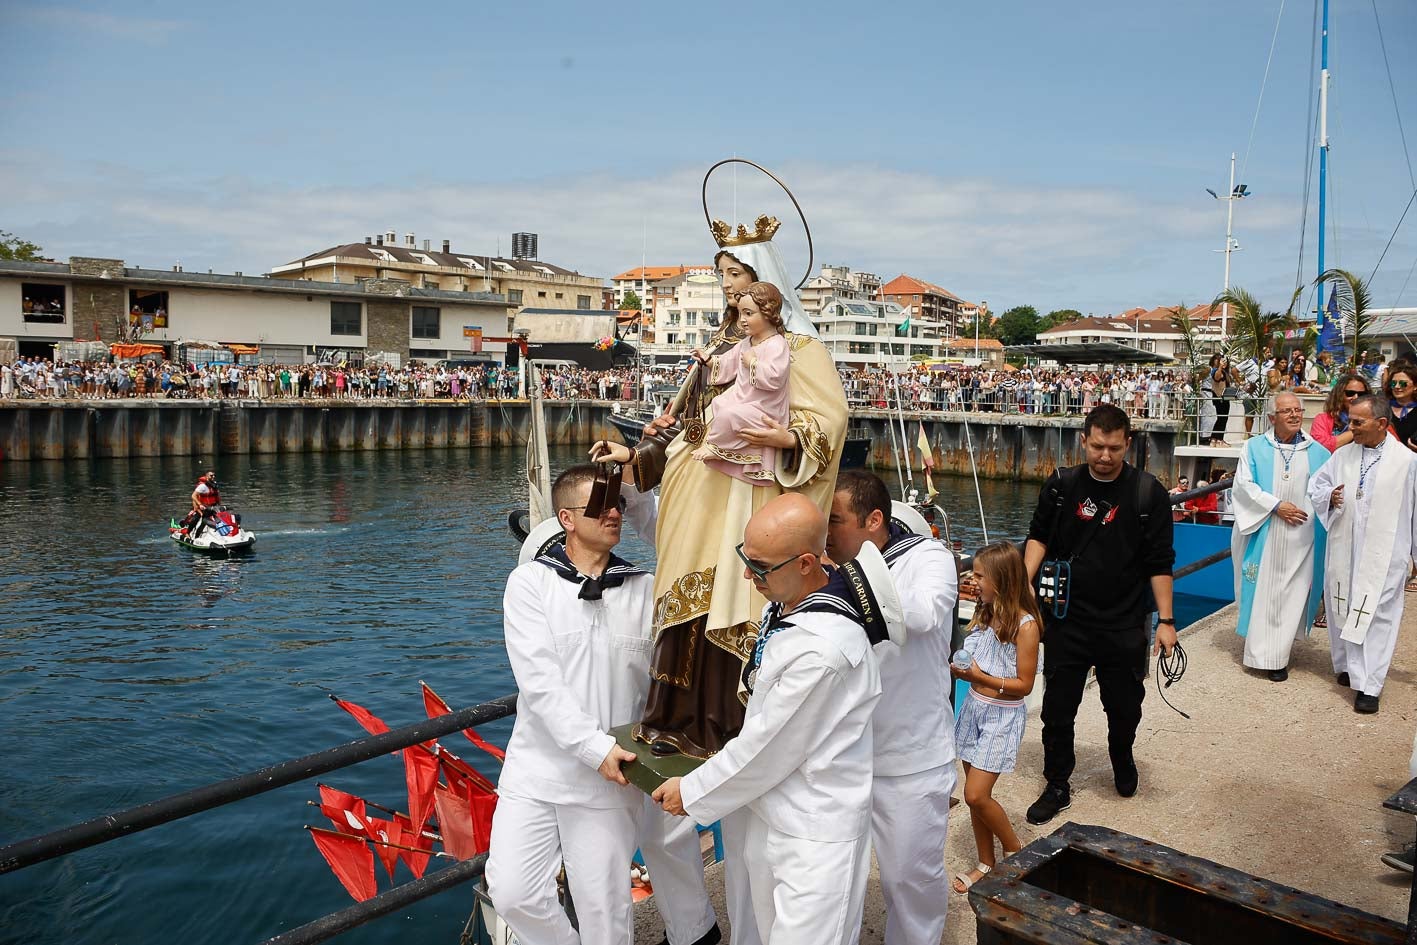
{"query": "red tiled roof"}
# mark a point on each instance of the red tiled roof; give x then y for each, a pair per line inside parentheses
(1150, 321)
(909, 285)
(655, 273)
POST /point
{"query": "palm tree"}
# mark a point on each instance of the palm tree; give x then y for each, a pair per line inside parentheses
(1187, 328)
(1251, 329)
(1354, 300)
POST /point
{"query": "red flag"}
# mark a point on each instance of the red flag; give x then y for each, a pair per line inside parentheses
(420, 769)
(416, 862)
(372, 723)
(336, 804)
(455, 823)
(384, 832)
(483, 807)
(457, 770)
(434, 705)
(350, 859)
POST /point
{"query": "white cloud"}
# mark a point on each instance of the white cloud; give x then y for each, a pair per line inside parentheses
(1093, 249)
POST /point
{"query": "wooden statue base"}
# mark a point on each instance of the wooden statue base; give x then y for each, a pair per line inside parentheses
(648, 771)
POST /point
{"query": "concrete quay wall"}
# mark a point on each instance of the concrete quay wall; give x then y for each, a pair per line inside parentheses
(68, 430)
(1005, 446)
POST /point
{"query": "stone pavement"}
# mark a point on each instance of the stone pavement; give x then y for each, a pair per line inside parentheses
(1282, 780)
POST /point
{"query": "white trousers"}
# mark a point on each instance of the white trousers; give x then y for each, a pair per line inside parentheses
(670, 846)
(743, 924)
(805, 892)
(1365, 663)
(530, 839)
(909, 816)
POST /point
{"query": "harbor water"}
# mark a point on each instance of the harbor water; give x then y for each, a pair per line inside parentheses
(131, 669)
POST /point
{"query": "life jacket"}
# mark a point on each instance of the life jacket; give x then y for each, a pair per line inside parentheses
(212, 496)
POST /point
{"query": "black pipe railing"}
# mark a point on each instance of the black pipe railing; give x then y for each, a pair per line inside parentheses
(392, 900)
(23, 853)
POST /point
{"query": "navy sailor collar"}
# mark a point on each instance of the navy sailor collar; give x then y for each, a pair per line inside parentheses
(617, 570)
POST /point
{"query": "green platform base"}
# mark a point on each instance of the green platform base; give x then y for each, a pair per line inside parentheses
(648, 771)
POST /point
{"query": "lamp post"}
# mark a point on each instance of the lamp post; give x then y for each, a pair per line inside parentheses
(1231, 246)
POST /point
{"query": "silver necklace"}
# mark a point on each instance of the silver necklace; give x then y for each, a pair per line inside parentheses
(1368, 467)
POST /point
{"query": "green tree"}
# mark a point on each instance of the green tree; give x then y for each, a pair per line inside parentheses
(1354, 300)
(13, 247)
(1060, 316)
(1020, 325)
(1189, 331)
(631, 301)
(1251, 328)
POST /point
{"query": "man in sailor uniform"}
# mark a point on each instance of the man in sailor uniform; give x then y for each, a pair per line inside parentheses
(913, 723)
(577, 622)
(801, 765)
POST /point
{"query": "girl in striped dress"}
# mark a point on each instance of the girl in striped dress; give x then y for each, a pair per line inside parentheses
(999, 660)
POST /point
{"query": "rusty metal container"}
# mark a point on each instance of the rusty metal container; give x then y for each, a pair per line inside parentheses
(1092, 884)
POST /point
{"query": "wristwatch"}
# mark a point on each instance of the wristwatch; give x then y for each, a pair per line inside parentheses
(1170, 620)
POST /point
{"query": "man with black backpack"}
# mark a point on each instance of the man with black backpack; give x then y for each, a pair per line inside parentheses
(1099, 550)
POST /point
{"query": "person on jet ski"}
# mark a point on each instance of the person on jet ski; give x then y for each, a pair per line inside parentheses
(206, 499)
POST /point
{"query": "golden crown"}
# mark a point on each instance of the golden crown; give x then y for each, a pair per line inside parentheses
(764, 228)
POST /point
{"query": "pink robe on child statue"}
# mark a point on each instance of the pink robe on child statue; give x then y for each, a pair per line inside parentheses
(758, 390)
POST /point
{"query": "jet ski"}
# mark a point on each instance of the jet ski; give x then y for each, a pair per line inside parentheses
(219, 534)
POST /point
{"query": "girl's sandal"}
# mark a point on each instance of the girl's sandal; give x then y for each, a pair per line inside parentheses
(962, 881)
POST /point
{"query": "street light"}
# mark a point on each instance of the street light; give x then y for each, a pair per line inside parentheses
(1235, 193)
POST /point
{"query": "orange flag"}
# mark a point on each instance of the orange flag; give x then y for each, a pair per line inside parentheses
(435, 707)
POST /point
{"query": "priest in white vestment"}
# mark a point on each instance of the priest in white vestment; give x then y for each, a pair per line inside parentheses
(1276, 545)
(1366, 496)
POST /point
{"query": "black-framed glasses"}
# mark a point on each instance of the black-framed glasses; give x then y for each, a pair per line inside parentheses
(1354, 393)
(619, 505)
(761, 571)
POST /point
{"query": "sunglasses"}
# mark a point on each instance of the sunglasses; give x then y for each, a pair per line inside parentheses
(761, 571)
(1354, 393)
(576, 508)
(1398, 385)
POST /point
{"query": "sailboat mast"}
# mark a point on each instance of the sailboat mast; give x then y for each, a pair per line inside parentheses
(1323, 158)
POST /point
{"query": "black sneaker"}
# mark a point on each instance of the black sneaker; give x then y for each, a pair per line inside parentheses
(1343, 680)
(1125, 778)
(1403, 860)
(1052, 802)
(1365, 704)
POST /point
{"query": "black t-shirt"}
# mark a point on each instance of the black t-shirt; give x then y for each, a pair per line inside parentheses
(1110, 585)
(1406, 427)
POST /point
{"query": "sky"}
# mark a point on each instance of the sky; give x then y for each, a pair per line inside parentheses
(1036, 153)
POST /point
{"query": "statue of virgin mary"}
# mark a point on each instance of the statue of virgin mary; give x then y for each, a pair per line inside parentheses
(705, 613)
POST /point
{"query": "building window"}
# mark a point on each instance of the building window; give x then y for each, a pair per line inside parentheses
(559, 295)
(42, 303)
(514, 296)
(541, 295)
(346, 318)
(582, 301)
(425, 321)
(427, 354)
(147, 309)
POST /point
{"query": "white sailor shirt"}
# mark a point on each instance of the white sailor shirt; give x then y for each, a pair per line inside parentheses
(802, 761)
(914, 723)
(582, 667)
